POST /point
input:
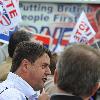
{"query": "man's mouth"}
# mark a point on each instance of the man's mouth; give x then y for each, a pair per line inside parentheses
(44, 80)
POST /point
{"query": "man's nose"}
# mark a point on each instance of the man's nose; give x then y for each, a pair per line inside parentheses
(48, 71)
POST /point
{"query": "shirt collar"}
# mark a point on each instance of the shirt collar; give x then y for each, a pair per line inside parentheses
(21, 85)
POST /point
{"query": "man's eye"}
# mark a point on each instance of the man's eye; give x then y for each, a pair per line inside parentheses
(44, 66)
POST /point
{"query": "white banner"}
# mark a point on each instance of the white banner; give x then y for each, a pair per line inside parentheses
(9, 18)
(83, 31)
(11, 15)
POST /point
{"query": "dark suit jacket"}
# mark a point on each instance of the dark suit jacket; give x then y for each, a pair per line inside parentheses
(64, 97)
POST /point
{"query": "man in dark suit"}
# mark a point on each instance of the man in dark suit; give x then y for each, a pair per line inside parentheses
(77, 73)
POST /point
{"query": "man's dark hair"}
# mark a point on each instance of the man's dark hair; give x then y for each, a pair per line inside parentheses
(27, 50)
(78, 69)
(17, 37)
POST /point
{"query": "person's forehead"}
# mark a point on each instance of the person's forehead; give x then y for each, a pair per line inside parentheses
(43, 59)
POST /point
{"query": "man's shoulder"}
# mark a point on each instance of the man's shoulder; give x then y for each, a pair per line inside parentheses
(12, 94)
(64, 97)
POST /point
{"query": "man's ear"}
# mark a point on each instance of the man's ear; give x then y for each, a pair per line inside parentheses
(55, 76)
(25, 64)
(95, 88)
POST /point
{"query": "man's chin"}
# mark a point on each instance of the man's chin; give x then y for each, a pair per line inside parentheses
(40, 87)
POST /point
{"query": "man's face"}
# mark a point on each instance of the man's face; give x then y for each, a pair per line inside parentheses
(38, 72)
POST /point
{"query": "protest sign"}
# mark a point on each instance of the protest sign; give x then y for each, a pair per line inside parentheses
(9, 18)
(83, 31)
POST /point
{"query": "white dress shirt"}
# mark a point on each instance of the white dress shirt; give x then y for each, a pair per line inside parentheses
(18, 89)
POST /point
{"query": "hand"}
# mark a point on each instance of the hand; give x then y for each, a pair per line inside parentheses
(43, 96)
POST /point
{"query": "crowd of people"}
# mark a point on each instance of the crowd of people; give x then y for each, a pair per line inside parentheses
(33, 72)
